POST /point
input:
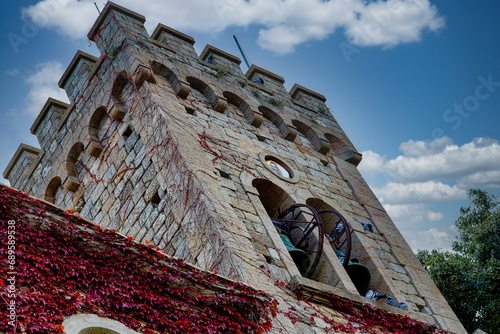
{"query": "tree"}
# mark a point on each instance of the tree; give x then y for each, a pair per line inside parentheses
(469, 277)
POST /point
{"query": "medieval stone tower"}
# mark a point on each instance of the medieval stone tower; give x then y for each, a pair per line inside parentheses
(190, 154)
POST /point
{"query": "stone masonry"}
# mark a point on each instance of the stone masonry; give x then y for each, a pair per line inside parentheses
(171, 148)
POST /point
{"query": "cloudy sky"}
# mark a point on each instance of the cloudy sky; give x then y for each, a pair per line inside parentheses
(414, 83)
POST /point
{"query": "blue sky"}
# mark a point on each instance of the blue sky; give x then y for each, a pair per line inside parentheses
(414, 83)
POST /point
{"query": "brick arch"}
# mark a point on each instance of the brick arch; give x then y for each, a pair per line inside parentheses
(288, 132)
(95, 123)
(342, 150)
(72, 182)
(253, 117)
(52, 188)
(218, 103)
(180, 87)
(319, 144)
(337, 144)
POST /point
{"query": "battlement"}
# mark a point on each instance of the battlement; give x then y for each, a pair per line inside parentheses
(188, 153)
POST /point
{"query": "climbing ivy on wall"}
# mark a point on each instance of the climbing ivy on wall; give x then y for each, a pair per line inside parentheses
(66, 265)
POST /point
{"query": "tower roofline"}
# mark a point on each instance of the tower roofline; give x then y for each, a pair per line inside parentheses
(107, 9)
(171, 31)
(256, 69)
(212, 49)
(71, 67)
(12, 163)
(50, 102)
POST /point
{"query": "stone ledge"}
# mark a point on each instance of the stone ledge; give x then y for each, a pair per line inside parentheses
(15, 158)
(319, 293)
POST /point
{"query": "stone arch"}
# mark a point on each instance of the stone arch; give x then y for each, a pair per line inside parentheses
(121, 81)
(288, 132)
(273, 198)
(97, 330)
(342, 150)
(180, 87)
(52, 188)
(95, 124)
(117, 110)
(72, 182)
(93, 324)
(253, 117)
(319, 144)
(217, 102)
(361, 252)
(330, 269)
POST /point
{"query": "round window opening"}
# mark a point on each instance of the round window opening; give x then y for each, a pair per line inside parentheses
(279, 169)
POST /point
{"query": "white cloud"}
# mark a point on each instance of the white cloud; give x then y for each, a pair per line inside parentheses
(372, 163)
(392, 22)
(284, 23)
(12, 72)
(489, 179)
(474, 164)
(429, 191)
(445, 162)
(405, 215)
(43, 84)
(432, 238)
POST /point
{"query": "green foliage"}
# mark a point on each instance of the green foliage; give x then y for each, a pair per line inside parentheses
(113, 51)
(276, 102)
(469, 278)
(220, 71)
(256, 93)
(243, 83)
(479, 228)
(323, 109)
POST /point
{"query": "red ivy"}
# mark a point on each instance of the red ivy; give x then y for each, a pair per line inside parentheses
(67, 266)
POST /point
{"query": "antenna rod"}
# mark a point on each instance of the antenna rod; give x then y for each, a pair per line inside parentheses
(97, 8)
(241, 51)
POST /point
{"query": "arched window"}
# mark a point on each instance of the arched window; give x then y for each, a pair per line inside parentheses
(93, 324)
(53, 189)
(118, 88)
(342, 150)
(253, 117)
(337, 144)
(119, 93)
(181, 88)
(273, 198)
(72, 182)
(285, 131)
(218, 103)
(95, 129)
(359, 263)
(315, 142)
(97, 330)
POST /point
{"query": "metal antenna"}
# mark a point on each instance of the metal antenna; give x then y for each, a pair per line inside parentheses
(97, 8)
(245, 58)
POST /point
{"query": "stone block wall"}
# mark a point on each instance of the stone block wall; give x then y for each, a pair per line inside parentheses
(171, 149)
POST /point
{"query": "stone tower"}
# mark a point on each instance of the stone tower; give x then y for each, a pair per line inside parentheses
(190, 154)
